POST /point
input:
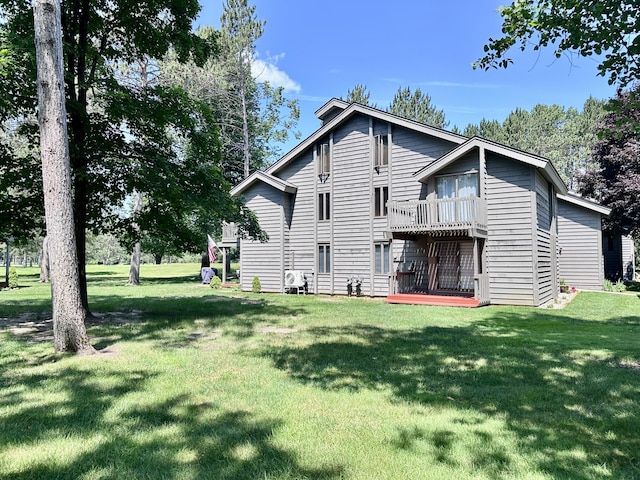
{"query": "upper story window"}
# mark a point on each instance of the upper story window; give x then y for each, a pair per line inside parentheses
(381, 150)
(324, 206)
(381, 199)
(323, 156)
(458, 186)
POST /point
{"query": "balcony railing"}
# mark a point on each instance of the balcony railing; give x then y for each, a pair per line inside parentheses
(443, 214)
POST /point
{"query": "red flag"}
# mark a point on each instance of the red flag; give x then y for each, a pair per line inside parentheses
(211, 247)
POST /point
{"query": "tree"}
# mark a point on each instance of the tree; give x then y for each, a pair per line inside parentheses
(417, 106)
(68, 312)
(615, 182)
(608, 29)
(565, 136)
(107, 165)
(359, 94)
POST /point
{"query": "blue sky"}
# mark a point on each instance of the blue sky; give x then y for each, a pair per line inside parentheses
(320, 49)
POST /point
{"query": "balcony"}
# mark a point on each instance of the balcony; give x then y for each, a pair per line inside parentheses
(444, 216)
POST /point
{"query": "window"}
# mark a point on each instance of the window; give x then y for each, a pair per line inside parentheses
(381, 198)
(382, 257)
(324, 258)
(381, 150)
(453, 187)
(324, 158)
(324, 206)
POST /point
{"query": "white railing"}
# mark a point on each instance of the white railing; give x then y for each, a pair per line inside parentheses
(440, 214)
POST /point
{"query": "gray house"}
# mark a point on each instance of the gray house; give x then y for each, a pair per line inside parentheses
(409, 212)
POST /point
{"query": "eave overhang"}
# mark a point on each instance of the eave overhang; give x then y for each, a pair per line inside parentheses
(542, 164)
(270, 180)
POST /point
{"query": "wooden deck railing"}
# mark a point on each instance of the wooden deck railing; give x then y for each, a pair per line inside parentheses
(415, 216)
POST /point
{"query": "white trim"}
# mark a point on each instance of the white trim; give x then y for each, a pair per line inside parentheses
(584, 203)
(275, 182)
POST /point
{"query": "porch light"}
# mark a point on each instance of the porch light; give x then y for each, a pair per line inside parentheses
(323, 177)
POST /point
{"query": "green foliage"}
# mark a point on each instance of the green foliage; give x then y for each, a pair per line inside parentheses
(565, 136)
(609, 286)
(216, 282)
(359, 94)
(607, 30)
(417, 106)
(615, 178)
(13, 277)
(256, 286)
(406, 390)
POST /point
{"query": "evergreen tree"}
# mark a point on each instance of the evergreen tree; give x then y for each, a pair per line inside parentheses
(417, 106)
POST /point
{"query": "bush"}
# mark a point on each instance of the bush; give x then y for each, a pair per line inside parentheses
(215, 282)
(13, 277)
(618, 287)
(256, 286)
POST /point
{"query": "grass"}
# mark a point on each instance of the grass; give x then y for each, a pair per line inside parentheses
(196, 383)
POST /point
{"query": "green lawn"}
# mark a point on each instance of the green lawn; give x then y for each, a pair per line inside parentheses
(196, 383)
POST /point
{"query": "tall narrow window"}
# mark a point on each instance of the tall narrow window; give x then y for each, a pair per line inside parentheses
(382, 257)
(324, 159)
(324, 258)
(324, 206)
(381, 199)
(381, 151)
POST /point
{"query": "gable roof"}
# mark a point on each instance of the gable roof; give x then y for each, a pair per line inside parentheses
(275, 182)
(585, 203)
(350, 111)
(541, 163)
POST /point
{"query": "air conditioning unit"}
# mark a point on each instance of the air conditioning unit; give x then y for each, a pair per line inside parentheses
(294, 279)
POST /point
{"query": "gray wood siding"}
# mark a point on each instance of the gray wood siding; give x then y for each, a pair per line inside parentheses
(579, 238)
(510, 248)
(302, 245)
(352, 201)
(412, 151)
(468, 162)
(264, 260)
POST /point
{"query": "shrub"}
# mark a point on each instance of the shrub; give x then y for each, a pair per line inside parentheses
(256, 286)
(215, 282)
(13, 278)
(609, 286)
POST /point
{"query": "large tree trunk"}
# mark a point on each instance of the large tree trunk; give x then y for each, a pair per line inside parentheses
(44, 261)
(68, 313)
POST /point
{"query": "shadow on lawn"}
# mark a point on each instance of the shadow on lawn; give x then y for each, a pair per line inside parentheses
(174, 438)
(572, 412)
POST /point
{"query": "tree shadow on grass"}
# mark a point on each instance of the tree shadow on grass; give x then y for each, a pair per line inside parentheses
(560, 384)
(102, 427)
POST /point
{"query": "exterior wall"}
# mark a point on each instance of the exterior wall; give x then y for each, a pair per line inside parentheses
(352, 205)
(545, 270)
(628, 258)
(580, 261)
(264, 260)
(301, 247)
(511, 240)
(410, 152)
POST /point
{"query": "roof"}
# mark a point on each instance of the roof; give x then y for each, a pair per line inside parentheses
(541, 163)
(584, 203)
(275, 182)
(350, 111)
(330, 106)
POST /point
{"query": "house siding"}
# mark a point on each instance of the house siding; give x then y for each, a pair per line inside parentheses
(301, 248)
(628, 258)
(264, 260)
(580, 260)
(510, 238)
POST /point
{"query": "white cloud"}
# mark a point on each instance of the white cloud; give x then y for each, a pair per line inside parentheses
(268, 71)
